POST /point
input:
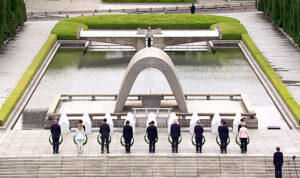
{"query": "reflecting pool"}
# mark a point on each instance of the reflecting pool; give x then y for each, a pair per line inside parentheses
(226, 71)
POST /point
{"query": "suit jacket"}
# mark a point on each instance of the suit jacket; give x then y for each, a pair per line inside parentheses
(127, 132)
(175, 130)
(104, 130)
(152, 132)
(55, 130)
(198, 130)
(223, 131)
(278, 158)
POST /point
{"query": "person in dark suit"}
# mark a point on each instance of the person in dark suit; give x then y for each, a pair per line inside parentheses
(55, 132)
(240, 125)
(104, 131)
(152, 136)
(128, 135)
(198, 130)
(175, 134)
(223, 133)
(193, 9)
(278, 162)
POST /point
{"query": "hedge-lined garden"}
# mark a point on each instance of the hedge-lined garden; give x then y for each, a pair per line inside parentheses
(66, 29)
(18, 91)
(149, 1)
(285, 13)
(12, 15)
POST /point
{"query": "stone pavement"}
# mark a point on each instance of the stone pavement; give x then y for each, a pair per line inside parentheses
(35, 142)
(76, 5)
(18, 53)
(281, 54)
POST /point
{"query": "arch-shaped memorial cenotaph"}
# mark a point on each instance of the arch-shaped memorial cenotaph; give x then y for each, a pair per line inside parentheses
(151, 58)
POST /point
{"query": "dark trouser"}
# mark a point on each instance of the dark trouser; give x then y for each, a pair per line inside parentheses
(105, 140)
(244, 144)
(224, 144)
(175, 144)
(127, 144)
(278, 171)
(199, 144)
(152, 145)
(55, 144)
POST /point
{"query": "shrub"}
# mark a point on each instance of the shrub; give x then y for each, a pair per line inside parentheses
(12, 14)
(18, 91)
(273, 77)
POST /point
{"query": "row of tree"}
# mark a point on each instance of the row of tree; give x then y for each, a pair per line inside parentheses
(12, 15)
(285, 13)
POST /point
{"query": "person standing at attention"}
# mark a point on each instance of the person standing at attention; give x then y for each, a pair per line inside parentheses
(104, 131)
(223, 134)
(243, 134)
(79, 137)
(278, 162)
(152, 136)
(128, 135)
(175, 134)
(55, 132)
(193, 9)
(198, 130)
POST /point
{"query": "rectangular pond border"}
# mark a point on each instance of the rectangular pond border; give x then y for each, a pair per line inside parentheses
(286, 105)
(20, 95)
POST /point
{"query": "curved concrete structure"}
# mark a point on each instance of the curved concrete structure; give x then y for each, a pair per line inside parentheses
(150, 58)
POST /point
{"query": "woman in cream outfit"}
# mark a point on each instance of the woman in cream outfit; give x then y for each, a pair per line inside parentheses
(79, 137)
(243, 134)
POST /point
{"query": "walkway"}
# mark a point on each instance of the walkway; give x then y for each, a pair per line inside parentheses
(75, 5)
(18, 53)
(283, 57)
(35, 142)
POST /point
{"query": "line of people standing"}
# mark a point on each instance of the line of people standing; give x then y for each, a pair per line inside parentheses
(152, 135)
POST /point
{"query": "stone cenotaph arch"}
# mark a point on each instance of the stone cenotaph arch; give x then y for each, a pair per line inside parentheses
(150, 58)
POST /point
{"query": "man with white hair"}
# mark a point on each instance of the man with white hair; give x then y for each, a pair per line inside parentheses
(175, 134)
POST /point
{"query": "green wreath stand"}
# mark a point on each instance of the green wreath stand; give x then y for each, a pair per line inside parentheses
(147, 141)
(85, 140)
(218, 140)
(238, 142)
(170, 139)
(99, 139)
(122, 141)
(61, 139)
(194, 140)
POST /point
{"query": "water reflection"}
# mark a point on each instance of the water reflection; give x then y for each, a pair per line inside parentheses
(227, 71)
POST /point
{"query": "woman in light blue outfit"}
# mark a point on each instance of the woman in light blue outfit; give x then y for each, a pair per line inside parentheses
(79, 137)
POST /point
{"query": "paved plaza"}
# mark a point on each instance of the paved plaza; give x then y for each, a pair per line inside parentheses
(20, 50)
(35, 142)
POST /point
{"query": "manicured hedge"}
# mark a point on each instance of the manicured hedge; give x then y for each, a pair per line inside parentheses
(67, 28)
(273, 77)
(12, 15)
(285, 13)
(149, 1)
(17, 92)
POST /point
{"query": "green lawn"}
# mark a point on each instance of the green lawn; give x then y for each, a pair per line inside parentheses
(66, 29)
(149, 1)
